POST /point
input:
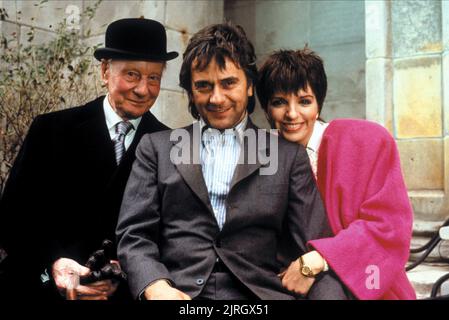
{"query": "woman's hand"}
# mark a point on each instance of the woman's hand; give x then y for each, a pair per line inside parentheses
(294, 280)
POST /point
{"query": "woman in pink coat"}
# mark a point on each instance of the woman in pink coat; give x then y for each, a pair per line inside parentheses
(358, 172)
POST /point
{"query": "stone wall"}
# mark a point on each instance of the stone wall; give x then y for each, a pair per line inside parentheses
(181, 18)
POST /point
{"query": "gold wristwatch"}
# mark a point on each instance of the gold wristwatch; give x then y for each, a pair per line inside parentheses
(305, 269)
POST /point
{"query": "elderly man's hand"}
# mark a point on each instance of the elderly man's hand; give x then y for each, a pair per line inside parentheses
(66, 274)
(161, 290)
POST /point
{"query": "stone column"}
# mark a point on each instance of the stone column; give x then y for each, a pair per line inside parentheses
(407, 71)
(445, 78)
(379, 70)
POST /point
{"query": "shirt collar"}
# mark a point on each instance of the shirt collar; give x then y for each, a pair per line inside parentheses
(317, 135)
(113, 118)
(239, 128)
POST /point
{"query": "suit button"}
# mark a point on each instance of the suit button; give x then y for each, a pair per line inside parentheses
(199, 282)
(218, 243)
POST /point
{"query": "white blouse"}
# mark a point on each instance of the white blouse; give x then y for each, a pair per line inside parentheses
(314, 144)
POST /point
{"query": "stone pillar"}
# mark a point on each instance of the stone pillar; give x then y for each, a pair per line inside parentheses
(445, 77)
(407, 72)
(379, 71)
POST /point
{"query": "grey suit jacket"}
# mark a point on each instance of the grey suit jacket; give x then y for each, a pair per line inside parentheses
(167, 228)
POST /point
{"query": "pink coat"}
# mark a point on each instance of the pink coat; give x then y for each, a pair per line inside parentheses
(360, 180)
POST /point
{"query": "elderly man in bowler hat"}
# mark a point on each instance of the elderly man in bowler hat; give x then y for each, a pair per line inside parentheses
(65, 188)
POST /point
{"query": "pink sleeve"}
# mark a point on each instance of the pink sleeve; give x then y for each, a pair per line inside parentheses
(362, 186)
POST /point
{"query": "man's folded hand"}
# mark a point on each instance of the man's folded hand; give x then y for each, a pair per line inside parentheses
(162, 290)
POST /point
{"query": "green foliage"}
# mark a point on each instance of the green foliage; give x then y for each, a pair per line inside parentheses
(39, 77)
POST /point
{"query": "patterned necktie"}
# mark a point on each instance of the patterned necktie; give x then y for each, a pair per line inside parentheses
(121, 129)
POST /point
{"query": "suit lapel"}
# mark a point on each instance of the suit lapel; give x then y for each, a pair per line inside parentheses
(191, 172)
(94, 135)
(244, 167)
(193, 176)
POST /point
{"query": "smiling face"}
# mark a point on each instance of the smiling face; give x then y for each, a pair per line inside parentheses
(220, 95)
(294, 114)
(133, 86)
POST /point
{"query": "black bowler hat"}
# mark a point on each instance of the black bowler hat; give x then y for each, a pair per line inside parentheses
(135, 39)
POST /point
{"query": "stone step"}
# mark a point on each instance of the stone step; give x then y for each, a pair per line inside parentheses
(439, 252)
(425, 228)
(425, 275)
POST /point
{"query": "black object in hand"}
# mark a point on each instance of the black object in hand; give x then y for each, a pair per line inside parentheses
(101, 267)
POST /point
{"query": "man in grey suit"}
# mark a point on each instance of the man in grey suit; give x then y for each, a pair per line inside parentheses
(204, 214)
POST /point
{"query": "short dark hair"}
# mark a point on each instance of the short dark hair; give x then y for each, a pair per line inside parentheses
(287, 71)
(219, 41)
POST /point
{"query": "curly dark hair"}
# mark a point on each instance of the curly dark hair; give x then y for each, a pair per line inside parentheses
(218, 41)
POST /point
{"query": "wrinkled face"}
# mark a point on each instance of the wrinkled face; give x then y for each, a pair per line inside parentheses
(220, 96)
(133, 85)
(294, 114)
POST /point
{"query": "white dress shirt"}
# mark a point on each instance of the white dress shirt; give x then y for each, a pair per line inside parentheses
(313, 148)
(220, 153)
(314, 144)
(113, 118)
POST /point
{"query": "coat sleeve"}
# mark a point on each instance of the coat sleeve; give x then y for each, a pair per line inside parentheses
(307, 220)
(369, 210)
(138, 224)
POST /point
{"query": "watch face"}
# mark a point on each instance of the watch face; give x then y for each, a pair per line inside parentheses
(306, 271)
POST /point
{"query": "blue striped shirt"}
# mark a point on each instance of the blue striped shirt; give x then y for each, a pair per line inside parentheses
(219, 152)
